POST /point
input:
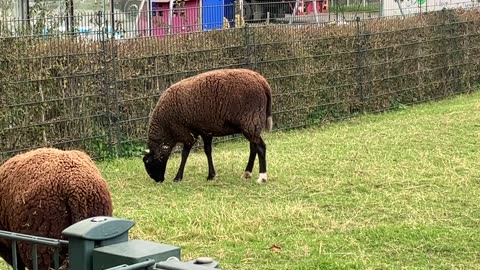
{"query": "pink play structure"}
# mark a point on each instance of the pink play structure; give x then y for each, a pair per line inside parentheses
(184, 17)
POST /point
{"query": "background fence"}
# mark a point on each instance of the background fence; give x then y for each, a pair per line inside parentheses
(137, 18)
(70, 92)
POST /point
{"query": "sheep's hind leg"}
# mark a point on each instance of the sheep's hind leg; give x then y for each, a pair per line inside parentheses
(262, 152)
(207, 147)
(251, 161)
(185, 152)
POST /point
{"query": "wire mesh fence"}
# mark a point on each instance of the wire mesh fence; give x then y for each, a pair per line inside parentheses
(96, 94)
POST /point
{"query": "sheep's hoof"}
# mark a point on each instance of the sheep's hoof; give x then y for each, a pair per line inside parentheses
(262, 178)
(176, 180)
(211, 177)
(246, 175)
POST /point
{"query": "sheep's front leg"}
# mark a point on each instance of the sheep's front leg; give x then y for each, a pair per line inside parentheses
(251, 161)
(185, 152)
(207, 147)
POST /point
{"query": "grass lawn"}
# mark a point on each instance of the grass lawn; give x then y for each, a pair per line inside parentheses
(401, 189)
(387, 191)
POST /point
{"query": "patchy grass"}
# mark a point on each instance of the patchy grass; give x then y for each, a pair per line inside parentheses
(387, 191)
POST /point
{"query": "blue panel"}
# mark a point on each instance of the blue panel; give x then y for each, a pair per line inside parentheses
(212, 14)
(229, 11)
(155, 6)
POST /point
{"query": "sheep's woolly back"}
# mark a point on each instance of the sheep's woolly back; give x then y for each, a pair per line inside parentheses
(219, 102)
(46, 190)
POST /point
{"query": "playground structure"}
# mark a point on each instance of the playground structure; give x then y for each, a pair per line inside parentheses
(163, 17)
(303, 7)
(166, 17)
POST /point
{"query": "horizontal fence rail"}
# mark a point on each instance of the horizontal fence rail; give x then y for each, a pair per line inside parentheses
(141, 265)
(35, 241)
(97, 95)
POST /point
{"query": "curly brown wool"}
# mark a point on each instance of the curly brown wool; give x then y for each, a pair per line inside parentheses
(211, 104)
(43, 192)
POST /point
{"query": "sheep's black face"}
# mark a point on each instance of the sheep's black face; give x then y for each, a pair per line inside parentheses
(154, 167)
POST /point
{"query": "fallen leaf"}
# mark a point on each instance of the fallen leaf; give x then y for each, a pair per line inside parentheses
(275, 248)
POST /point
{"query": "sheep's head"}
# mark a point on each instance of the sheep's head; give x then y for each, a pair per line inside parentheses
(156, 163)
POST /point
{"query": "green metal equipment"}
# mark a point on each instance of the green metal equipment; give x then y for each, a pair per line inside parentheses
(102, 243)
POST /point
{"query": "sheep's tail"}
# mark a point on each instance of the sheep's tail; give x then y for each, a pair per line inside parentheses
(96, 204)
(268, 93)
(89, 195)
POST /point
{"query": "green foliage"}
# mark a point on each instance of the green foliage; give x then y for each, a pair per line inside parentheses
(132, 149)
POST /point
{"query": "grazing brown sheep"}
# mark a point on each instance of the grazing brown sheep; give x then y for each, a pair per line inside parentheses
(43, 192)
(215, 103)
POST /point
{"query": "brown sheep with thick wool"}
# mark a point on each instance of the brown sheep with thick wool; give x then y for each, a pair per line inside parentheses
(214, 103)
(44, 191)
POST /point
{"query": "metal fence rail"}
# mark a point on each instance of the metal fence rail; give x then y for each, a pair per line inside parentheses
(141, 265)
(35, 241)
(56, 244)
(94, 243)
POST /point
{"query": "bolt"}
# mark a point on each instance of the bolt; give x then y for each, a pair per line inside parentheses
(203, 260)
